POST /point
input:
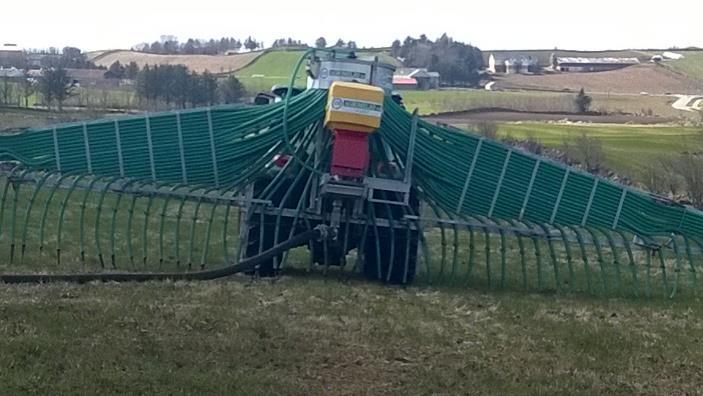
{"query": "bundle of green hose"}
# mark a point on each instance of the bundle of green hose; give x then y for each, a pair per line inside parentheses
(204, 146)
(468, 175)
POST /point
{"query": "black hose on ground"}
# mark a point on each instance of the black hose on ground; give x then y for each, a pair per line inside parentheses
(319, 232)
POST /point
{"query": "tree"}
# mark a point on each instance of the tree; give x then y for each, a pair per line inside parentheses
(132, 70)
(209, 83)
(583, 101)
(340, 43)
(116, 70)
(72, 57)
(320, 42)
(456, 62)
(6, 90)
(28, 87)
(351, 44)
(395, 48)
(55, 84)
(487, 129)
(690, 167)
(586, 150)
(250, 44)
(156, 47)
(231, 89)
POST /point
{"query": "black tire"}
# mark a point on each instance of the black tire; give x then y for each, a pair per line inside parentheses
(403, 263)
(254, 243)
(400, 267)
(267, 268)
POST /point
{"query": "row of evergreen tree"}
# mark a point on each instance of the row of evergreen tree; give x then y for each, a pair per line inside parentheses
(175, 84)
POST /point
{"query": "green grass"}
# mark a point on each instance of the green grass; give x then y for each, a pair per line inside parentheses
(271, 68)
(17, 118)
(691, 65)
(312, 336)
(436, 101)
(628, 147)
(275, 67)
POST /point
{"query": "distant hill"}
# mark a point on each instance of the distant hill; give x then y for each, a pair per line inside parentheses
(275, 67)
(217, 64)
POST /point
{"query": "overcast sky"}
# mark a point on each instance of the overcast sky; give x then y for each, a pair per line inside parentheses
(510, 24)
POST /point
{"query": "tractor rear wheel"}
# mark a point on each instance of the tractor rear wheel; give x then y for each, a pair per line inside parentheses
(256, 245)
(400, 266)
(396, 268)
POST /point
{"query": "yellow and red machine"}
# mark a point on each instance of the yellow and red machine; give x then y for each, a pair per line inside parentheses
(353, 112)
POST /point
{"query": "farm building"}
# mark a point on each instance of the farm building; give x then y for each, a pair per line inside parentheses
(569, 64)
(404, 82)
(11, 56)
(498, 64)
(415, 78)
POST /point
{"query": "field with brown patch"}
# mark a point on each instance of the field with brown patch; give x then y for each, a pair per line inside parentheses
(198, 63)
(649, 78)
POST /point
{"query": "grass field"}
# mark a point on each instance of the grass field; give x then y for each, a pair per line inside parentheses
(19, 118)
(628, 147)
(436, 101)
(306, 334)
(272, 68)
(691, 65)
(310, 336)
(275, 67)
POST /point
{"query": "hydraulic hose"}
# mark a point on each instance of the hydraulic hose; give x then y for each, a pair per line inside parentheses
(320, 232)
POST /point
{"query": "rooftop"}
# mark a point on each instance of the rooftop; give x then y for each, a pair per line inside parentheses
(10, 48)
(403, 80)
(600, 61)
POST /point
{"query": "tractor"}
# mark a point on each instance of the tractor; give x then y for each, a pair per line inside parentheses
(364, 194)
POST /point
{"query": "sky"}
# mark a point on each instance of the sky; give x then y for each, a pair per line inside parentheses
(503, 24)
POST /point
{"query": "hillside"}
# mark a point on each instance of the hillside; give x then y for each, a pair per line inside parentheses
(275, 67)
(691, 65)
(649, 78)
(198, 63)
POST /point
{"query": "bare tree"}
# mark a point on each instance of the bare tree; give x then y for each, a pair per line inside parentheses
(6, 90)
(29, 87)
(586, 150)
(660, 176)
(55, 83)
(487, 129)
(583, 101)
(690, 168)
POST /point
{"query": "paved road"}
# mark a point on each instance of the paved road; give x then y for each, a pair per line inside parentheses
(688, 103)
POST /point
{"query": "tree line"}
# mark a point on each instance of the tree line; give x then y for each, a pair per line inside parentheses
(169, 45)
(456, 62)
(176, 85)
